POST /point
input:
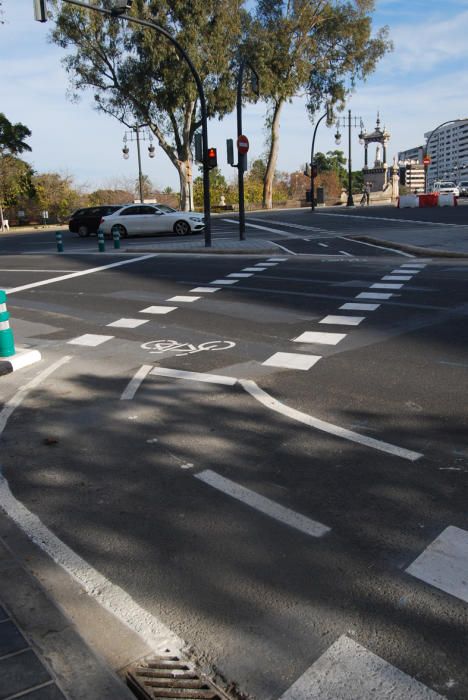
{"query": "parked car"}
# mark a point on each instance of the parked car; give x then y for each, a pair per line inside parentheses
(463, 188)
(86, 221)
(445, 187)
(148, 219)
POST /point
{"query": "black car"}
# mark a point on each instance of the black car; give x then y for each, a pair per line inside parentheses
(85, 221)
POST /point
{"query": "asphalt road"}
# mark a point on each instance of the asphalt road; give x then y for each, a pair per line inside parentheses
(269, 521)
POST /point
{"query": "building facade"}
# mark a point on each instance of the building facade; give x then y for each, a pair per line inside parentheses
(411, 155)
(448, 150)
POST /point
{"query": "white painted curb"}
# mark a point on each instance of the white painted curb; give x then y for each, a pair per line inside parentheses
(410, 201)
(18, 361)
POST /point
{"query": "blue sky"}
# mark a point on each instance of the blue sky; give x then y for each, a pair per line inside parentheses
(422, 83)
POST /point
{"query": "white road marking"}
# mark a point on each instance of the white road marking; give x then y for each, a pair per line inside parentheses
(240, 274)
(262, 504)
(420, 265)
(224, 282)
(254, 390)
(383, 218)
(384, 285)
(260, 268)
(444, 563)
(324, 245)
(18, 398)
(90, 340)
(264, 228)
(380, 247)
(370, 295)
(343, 252)
(282, 247)
(291, 360)
(398, 278)
(406, 272)
(194, 376)
(276, 259)
(14, 269)
(183, 298)
(134, 383)
(206, 290)
(343, 320)
(359, 307)
(349, 671)
(158, 309)
(127, 323)
(250, 269)
(79, 274)
(268, 264)
(321, 338)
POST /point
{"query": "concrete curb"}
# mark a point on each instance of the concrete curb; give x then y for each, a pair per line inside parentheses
(208, 251)
(408, 248)
(18, 361)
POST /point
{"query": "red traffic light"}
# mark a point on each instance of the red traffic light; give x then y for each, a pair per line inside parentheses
(212, 158)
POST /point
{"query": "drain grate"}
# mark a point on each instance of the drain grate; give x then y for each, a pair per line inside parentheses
(170, 677)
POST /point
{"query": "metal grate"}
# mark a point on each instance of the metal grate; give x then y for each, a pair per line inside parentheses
(170, 677)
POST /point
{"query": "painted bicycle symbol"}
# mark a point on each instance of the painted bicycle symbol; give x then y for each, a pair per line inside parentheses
(158, 347)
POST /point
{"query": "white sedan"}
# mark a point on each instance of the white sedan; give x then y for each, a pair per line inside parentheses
(147, 219)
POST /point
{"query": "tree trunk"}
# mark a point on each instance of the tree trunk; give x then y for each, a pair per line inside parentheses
(184, 168)
(272, 157)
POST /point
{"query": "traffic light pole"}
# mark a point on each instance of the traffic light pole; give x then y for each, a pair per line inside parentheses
(240, 156)
(201, 94)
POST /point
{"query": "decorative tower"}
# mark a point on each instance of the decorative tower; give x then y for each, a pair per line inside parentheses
(378, 175)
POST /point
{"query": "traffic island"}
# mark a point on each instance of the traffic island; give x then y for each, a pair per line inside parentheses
(22, 358)
(10, 358)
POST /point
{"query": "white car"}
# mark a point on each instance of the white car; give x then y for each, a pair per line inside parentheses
(148, 219)
(446, 187)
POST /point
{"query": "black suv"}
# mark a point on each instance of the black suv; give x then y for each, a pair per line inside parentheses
(87, 220)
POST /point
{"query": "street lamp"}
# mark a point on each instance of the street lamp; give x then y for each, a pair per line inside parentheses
(349, 122)
(329, 115)
(118, 10)
(139, 136)
(242, 157)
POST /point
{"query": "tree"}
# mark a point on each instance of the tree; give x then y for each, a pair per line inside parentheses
(315, 45)
(137, 76)
(110, 196)
(218, 188)
(15, 174)
(56, 194)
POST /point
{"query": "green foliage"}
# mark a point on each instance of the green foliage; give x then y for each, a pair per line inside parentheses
(15, 180)
(109, 196)
(12, 137)
(218, 188)
(56, 194)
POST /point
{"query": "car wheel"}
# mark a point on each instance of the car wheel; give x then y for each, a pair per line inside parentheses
(121, 230)
(83, 231)
(181, 228)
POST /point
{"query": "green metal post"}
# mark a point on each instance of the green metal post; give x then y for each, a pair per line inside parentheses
(101, 242)
(116, 237)
(59, 239)
(7, 342)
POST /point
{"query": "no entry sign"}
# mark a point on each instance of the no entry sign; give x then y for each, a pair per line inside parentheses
(427, 160)
(243, 144)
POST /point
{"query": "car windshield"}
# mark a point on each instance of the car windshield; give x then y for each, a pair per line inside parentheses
(164, 208)
(446, 184)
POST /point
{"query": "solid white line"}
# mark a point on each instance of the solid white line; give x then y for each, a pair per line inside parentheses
(134, 383)
(18, 398)
(282, 247)
(359, 307)
(292, 360)
(265, 228)
(321, 338)
(79, 274)
(444, 563)
(262, 504)
(343, 320)
(254, 390)
(383, 218)
(12, 269)
(379, 247)
(349, 671)
(112, 597)
(90, 340)
(194, 376)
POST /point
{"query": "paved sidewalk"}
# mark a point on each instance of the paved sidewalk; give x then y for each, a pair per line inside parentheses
(256, 246)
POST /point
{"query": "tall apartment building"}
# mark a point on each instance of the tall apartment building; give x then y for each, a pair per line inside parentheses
(412, 168)
(448, 149)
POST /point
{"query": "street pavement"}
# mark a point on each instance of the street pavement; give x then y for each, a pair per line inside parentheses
(259, 461)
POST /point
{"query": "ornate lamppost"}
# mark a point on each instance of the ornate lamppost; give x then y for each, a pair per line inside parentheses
(138, 133)
(349, 122)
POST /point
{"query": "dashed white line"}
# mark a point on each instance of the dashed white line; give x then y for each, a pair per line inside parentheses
(240, 274)
(224, 282)
(134, 383)
(254, 390)
(397, 278)
(276, 259)
(347, 671)
(250, 269)
(343, 320)
(359, 307)
(384, 285)
(323, 245)
(343, 252)
(373, 295)
(320, 338)
(444, 563)
(263, 505)
(184, 299)
(158, 310)
(205, 290)
(292, 360)
(194, 376)
(127, 323)
(90, 340)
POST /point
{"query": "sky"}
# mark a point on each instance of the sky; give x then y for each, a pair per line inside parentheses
(422, 83)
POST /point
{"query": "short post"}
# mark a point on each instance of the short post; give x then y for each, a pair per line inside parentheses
(7, 342)
(101, 242)
(116, 237)
(59, 239)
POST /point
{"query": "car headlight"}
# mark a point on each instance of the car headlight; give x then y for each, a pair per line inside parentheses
(195, 218)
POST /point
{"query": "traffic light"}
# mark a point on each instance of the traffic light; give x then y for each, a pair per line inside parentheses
(230, 151)
(198, 148)
(40, 10)
(212, 159)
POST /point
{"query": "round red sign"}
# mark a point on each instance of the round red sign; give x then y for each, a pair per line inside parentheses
(427, 160)
(243, 144)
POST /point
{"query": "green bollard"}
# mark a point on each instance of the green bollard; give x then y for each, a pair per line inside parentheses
(116, 237)
(101, 241)
(59, 239)
(7, 342)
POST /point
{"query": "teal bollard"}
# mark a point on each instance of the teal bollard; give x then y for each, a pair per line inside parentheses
(7, 341)
(101, 241)
(116, 237)
(59, 239)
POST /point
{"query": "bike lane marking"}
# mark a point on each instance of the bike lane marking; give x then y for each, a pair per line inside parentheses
(134, 384)
(70, 276)
(194, 376)
(91, 340)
